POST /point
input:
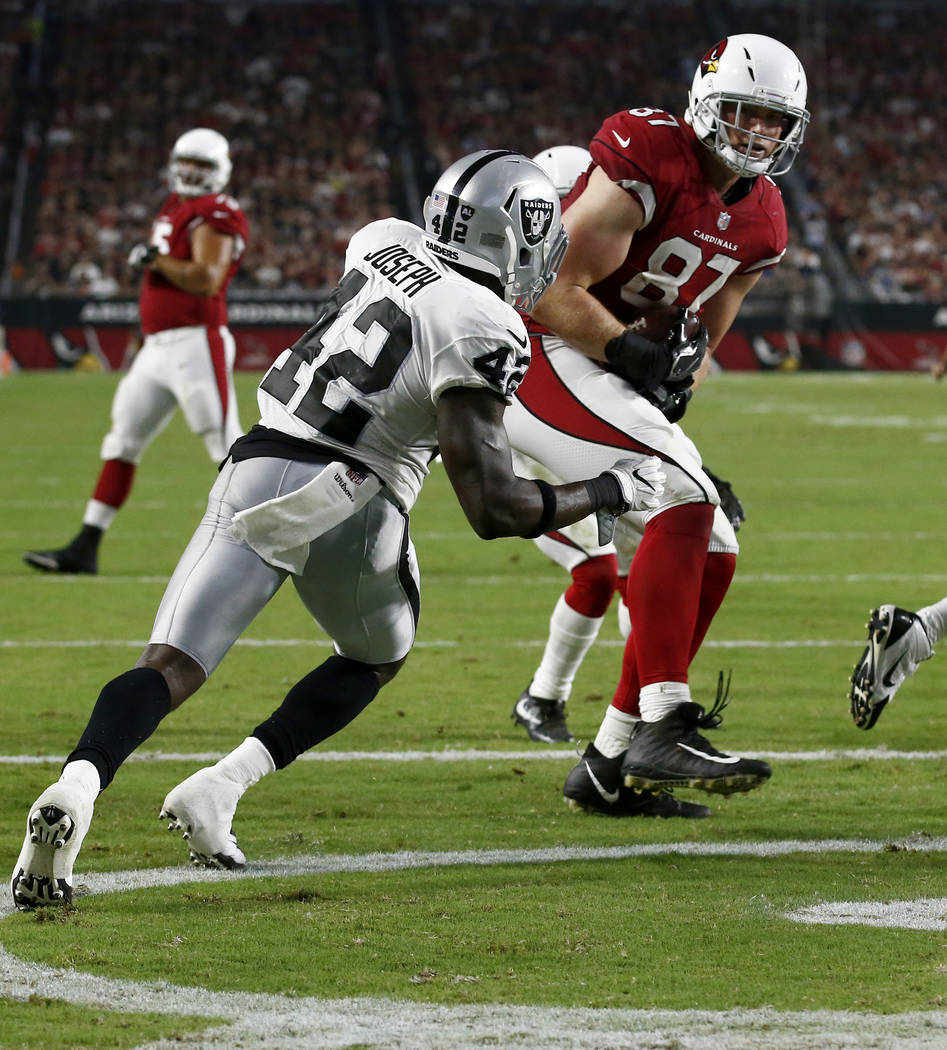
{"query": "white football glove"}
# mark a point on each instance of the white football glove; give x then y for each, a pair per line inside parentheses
(141, 255)
(642, 484)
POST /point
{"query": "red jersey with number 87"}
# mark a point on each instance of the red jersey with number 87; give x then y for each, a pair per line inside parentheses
(691, 242)
(162, 304)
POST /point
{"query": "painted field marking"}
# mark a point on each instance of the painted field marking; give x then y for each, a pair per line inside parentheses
(928, 913)
(433, 643)
(273, 1022)
(863, 754)
(540, 579)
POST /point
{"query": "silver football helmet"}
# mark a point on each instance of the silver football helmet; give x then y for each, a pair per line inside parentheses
(497, 212)
(212, 151)
(749, 69)
(563, 164)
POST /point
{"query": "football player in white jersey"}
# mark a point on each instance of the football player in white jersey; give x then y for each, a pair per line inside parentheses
(419, 348)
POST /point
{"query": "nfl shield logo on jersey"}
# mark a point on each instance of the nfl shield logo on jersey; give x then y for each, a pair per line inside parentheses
(536, 216)
(723, 220)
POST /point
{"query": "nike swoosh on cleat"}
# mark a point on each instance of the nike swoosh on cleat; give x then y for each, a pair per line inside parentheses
(724, 760)
(609, 796)
(886, 678)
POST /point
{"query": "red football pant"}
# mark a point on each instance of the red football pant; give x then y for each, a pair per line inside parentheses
(673, 593)
(592, 587)
(115, 482)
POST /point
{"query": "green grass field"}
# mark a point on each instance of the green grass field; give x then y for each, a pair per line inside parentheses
(418, 882)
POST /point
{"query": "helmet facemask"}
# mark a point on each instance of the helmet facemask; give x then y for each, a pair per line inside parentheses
(741, 160)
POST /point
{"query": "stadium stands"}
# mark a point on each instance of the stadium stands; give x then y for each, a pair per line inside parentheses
(324, 101)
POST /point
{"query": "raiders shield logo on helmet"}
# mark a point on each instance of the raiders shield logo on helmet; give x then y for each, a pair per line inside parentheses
(536, 216)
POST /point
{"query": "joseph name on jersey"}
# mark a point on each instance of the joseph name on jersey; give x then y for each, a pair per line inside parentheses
(691, 241)
(163, 305)
(428, 329)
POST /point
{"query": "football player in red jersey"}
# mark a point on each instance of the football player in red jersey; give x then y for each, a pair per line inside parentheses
(187, 356)
(580, 611)
(671, 212)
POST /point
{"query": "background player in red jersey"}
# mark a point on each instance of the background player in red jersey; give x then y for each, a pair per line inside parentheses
(187, 357)
(672, 212)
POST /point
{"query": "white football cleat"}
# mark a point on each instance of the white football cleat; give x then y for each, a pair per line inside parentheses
(56, 825)
(203, 808)
(897, 643)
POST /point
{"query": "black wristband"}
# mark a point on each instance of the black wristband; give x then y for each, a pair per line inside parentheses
(550, 504)
(604, 491)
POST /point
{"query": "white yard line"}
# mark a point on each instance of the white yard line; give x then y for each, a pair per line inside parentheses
(433, 643)
(858, 754)
(272, 1022)
(541, 579)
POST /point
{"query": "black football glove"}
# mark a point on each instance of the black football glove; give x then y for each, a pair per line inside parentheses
(674, 402)
(140, 256)
(729, 503)
(648, 365)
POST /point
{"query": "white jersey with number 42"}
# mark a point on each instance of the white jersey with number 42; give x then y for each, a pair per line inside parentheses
(400, 329)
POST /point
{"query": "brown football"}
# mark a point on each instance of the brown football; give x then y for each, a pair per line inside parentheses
(656, 322)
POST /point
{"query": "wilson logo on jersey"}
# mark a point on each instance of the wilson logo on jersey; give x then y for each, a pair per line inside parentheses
(536, 217)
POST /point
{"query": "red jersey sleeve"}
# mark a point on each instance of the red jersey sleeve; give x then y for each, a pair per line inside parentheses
(224, 214)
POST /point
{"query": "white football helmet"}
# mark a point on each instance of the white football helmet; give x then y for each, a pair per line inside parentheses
(496, 211)
(208, 147)
(564, 164)
(748, 69)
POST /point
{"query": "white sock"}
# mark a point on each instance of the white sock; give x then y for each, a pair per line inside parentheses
(660, 698)
(570, 637)
(84, 775)
(247, 763)
(614, 734)
(934, 618)
(99, 514)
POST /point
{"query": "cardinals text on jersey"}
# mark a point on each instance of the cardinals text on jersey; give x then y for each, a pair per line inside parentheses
(399, 330)
(691, 242)
(163, 305)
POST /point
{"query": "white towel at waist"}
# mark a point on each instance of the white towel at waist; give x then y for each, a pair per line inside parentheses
(281, 529)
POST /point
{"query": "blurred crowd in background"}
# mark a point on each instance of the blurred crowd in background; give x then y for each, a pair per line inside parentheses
(339, 113)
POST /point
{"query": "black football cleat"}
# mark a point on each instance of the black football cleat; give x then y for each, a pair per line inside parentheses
(544, 720)
(671, 753)
(595, 785)
(76, 558)
(64, 560)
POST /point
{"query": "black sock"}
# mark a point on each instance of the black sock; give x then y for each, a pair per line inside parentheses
(126, 713)
(87, 539)
(321, 704)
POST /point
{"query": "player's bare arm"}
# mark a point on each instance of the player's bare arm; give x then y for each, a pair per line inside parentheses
(204, 273)
(476, 455)
(601, 225)
(720, 313)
